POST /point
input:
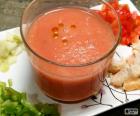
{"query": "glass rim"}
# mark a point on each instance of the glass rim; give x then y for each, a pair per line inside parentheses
(73, 65)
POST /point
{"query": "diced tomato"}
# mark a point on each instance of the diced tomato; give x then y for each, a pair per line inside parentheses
(134, 15)
(137, 20)
(134, 37)
(137, 30)
(130, 22)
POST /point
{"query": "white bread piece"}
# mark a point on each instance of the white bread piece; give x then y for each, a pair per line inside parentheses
(136, 46)
(120, 59)
(126, 73)
(135, 71)
(118, 79)
(131, 84)
(116, 65)
(129, 76)
(137, 58)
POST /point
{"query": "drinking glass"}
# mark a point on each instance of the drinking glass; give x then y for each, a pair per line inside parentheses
(61, 82)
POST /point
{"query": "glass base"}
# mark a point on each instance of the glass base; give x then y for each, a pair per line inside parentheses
(70, 102)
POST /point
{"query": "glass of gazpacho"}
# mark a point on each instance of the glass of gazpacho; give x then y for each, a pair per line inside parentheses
(70, 46)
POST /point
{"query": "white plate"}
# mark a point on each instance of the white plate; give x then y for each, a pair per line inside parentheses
(22, 75)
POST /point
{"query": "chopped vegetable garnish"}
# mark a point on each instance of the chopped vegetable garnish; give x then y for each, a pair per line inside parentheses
(130, 21)
(9, 49)
(14, 103)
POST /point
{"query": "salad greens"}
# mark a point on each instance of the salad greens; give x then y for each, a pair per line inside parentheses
(14, 103)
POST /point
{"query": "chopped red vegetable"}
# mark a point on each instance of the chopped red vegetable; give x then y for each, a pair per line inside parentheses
(130, 22)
